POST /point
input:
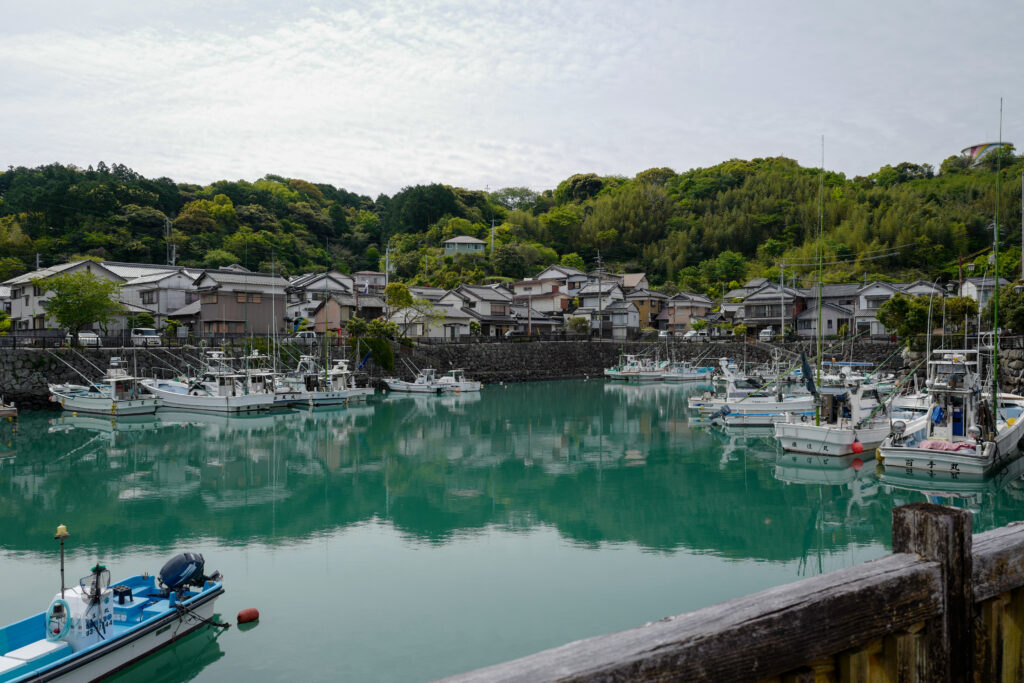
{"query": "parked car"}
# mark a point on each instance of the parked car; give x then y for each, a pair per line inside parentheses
(664, 334)
(305, 338)
(84, 339)
(145, 336)
(697, 336)
(766, 335)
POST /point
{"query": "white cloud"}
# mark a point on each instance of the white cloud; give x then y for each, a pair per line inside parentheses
(375, 96)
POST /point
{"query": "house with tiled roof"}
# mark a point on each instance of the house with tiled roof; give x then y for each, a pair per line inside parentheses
(570, 280)
(464, 244)
(682, 309)
(649, 305)
(490, 306)
(234, 301)
(28, 300)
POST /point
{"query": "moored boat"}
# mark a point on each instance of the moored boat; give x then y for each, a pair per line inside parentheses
(93, 629)
(117, 393)
(455, 380)
(425, 382)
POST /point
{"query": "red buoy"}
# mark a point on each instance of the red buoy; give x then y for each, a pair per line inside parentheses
(857, 447)
(248, 614)
(857, 463)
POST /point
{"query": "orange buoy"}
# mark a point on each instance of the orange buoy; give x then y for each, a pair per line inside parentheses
(857, 447)
(248, 614)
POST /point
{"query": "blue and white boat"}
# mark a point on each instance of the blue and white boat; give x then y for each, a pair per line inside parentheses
(93, 629)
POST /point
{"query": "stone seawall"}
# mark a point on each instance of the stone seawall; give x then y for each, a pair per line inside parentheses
(25, 373)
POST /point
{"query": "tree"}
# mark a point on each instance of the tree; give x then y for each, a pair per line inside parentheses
(739, 330)
(356, 327)
(906, 316)
(1011, 309)
(142, 320)
(80, 299)
(382, 329)
(397, 296)
(5, 324)
(699, 325)
(573, 260)
(474, 328)
(579, 325)
(11, 266)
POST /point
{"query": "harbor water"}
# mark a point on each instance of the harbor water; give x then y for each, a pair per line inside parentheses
(410, 538)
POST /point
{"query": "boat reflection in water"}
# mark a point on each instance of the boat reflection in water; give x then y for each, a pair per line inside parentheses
(181, 661)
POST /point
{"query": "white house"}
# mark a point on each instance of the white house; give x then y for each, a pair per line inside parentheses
(28, 301)
(464, 244)
(305, 292)
(570, 280)
(600, 295)
(161, 292)
(980, 288)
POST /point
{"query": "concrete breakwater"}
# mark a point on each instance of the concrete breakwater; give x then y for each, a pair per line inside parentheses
(25, 373)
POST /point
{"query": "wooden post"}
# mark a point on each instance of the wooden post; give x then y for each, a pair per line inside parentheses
(942, 534)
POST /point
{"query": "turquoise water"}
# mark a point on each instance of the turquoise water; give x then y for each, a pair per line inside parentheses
(413, 538)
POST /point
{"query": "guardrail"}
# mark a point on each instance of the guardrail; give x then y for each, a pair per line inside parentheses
(945, 606)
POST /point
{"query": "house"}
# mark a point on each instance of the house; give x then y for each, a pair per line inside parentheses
(833, 319)
(5, 299)
(305, 293)
(649, 304)
(771, 306)
(28, 300)
(490, 306)
(682, 309)
(600, 295)
(624, 318)
(570, 280)
(870, 298)
(543, 295)
(533, 322)
(631, 281)
(236, 301)
(161, 292)
(980, 288)
(431, 294)
(370, 281)
(464, 244)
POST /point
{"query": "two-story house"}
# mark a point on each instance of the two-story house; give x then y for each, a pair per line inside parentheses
(542, 295)
(305, 294)
(570, 280)
(624, 319)
(370, 281)
(980, 288)
(771, 306)
(682, 309)
(236, 301)
(649, 305)
(464, 244)
(28, 300)
(490, 306)
(162, 292)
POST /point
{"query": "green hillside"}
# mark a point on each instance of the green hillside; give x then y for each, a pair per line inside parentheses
(701, 229)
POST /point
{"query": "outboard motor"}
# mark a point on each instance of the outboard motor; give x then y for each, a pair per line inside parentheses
(183, 570)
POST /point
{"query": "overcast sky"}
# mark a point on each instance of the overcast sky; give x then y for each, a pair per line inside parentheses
(378, 95)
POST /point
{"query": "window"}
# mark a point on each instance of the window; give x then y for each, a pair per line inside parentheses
(208, 299)
(255, 298)
(149, 297)
(240, 297)
(828, 324)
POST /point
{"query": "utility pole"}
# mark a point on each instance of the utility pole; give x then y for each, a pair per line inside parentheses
(600, 298)
(492, 238)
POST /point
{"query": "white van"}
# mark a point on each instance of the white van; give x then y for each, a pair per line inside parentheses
(145, 336)
(767, 334)
(697, 336)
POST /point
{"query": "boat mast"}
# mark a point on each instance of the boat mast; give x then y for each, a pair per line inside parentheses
(821, 257)
(995, 280)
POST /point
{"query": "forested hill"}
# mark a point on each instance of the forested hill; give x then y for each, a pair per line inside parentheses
(699, 230)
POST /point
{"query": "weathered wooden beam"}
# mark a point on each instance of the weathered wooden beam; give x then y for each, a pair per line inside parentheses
(943, 534)
(756, 636)
(998, 561)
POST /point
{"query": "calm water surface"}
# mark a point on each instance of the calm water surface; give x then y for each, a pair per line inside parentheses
(412, 538)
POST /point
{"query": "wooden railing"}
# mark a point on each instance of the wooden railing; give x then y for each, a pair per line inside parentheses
(945, 606)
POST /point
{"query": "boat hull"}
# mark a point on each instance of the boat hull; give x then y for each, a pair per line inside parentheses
(412, 388)
(104, 405)
(806, 437)
(98, 663)
(174, 395)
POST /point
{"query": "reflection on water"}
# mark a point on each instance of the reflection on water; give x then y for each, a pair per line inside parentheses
(599, 461)
(461, 478)
(181, 661)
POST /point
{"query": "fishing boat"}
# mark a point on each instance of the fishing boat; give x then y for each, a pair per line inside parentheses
(117, 393)
(961, 433)
(683, 371)
(425, 382)
(308, 384)
(849, 423)
(637, 368)
(342, 378)
(7, 409)
(92, 630)
(746, 402)
(219, 388)
(455, 380)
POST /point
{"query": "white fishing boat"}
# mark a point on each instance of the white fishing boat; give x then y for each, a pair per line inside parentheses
(746, 402)
(343, 379)
(93, 629)
(425, 382)
(219, 389)
(117, 393)
(683, 371)
(455, 380)
(7, 410)
(850, 423)
(637, 368)
(961, 433)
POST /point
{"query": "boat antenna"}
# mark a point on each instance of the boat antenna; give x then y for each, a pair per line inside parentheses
(821, 257)
(995, 277)
(62, 533)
